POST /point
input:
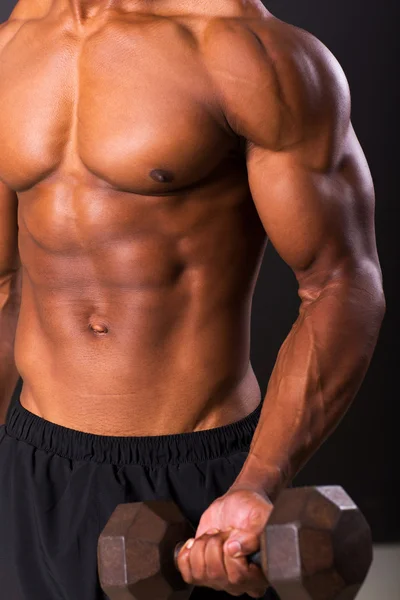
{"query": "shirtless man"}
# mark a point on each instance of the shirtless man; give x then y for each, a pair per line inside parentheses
(148, 149)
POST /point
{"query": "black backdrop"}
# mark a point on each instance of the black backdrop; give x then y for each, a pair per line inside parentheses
(361, 455)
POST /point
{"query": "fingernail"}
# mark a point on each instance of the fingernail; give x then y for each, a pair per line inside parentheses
(189, 543)
(235, 549)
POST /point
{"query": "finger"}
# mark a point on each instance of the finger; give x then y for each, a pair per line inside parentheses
(183, 562)
(197, 560)
(237, 572)
(214, 558)
(244, 574)
(260, 584)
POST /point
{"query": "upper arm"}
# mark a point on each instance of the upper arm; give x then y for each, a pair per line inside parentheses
(308, 175)
(9, 255)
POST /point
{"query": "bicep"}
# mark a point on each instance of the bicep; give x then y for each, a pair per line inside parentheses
(317, 219)
(9, 255)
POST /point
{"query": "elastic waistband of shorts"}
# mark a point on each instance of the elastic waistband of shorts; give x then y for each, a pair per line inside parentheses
(147, 451)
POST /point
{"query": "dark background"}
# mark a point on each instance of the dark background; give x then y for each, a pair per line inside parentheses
(361, 454)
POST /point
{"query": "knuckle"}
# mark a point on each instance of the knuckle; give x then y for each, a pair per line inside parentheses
(198, 574)
(257, 516)
(237, 578)
(233, 591)
(187, 577)
(255, 513)
(198, 571)
(215, 573)
(260, 594)
(216, 585)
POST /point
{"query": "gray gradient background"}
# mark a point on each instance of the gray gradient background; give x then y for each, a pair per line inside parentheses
(361, 455)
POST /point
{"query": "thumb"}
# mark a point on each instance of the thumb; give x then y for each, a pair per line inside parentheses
(241, 543)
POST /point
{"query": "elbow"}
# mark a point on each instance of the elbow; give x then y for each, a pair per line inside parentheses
(381, 306)
(367, 277)
(352, 278)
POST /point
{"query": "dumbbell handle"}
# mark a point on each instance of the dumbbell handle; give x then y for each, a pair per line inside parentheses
(254, 558)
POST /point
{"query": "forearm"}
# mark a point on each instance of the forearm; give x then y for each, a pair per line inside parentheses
(10, 288)
(318, 372)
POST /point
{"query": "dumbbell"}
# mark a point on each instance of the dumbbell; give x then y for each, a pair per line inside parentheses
(317, 546)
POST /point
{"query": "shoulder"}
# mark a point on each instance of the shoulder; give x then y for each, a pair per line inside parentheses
(276, 82)
(24, 12)
(30, 9)
(8, 29)
(21, 13)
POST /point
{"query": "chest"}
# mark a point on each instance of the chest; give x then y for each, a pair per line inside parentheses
(132, 105)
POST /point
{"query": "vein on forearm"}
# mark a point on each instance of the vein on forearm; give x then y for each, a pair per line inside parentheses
(318, 372)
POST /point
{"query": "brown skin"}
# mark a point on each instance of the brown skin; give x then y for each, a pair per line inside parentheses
(143, 213)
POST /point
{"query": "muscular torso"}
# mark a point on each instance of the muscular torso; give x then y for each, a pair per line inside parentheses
(138, 238)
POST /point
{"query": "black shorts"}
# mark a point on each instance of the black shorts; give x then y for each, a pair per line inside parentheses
(59, 487)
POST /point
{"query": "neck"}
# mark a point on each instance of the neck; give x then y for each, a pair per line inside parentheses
(88, 9)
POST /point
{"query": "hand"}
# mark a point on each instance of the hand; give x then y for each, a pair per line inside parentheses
(211, 559)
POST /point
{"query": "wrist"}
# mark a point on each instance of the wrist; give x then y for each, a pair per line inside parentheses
(263, 478)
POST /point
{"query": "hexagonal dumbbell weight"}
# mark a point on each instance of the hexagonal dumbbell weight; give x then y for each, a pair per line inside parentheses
(316, 546)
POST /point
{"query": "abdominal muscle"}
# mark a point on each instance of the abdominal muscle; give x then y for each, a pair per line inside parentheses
(122, 362)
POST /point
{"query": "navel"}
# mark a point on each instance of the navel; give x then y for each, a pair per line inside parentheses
(98, 328)
(162, 176)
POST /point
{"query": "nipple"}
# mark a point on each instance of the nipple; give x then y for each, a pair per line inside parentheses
(161, 176)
